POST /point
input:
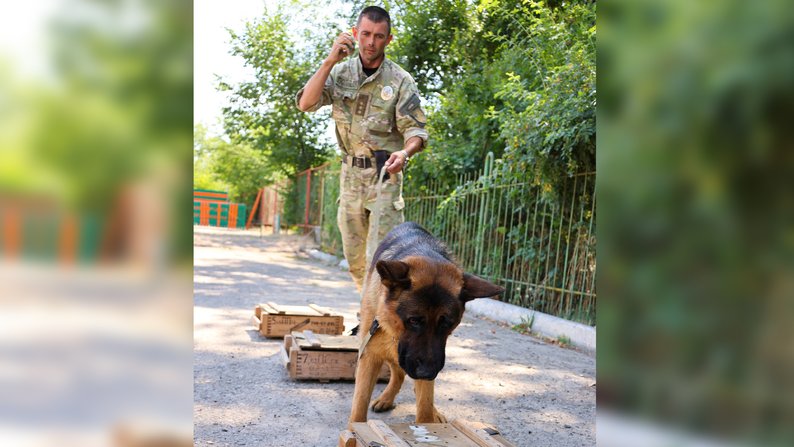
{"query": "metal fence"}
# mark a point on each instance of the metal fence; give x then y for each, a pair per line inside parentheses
(537, 242)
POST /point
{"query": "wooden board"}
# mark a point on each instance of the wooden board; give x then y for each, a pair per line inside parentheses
(275, 321)
(308, 340)
(458, 433)
(322, 364)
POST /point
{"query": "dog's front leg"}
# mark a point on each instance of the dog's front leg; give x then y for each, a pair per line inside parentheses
(426, 412)
(367, 373)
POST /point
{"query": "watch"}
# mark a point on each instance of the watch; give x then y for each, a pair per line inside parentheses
(407, 157)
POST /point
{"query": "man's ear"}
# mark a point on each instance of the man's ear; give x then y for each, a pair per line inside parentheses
(476, 287)
(394, 274)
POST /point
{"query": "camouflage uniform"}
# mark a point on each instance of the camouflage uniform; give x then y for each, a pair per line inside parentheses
(379, 112)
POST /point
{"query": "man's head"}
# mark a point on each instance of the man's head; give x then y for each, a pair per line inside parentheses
(373, 33)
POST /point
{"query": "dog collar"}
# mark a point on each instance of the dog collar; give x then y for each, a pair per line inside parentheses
(372, 330)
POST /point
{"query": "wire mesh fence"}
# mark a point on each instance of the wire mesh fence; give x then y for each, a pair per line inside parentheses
(537, 243)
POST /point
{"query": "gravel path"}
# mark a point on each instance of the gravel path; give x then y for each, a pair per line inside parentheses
(536, 393)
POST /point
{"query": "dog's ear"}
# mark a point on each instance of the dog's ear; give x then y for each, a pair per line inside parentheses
(476, 287)
(394, 274)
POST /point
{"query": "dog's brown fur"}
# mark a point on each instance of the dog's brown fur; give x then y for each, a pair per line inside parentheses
(411, 279)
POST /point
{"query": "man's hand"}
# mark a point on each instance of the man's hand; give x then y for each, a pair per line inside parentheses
(343, 47)
(396, 162)
(399, 159)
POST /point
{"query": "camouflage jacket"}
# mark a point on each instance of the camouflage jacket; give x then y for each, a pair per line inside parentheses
(379, 112)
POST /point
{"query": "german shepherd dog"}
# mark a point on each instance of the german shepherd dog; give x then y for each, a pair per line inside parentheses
(414, 297)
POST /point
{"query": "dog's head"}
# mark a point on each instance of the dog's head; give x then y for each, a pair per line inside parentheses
(426, 299)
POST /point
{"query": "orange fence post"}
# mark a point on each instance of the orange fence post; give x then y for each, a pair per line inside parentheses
(67, 248)
(253, 209)
(232, 221)
(12, 233)
(204, 213)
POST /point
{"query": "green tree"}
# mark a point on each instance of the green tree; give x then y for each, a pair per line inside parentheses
(262, 115)
(234, 167)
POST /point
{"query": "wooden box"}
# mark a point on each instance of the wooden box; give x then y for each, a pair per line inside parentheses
(458, 433)
(275, 321)
(307, 355)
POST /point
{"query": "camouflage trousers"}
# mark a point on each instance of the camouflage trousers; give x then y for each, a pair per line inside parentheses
(357, 203)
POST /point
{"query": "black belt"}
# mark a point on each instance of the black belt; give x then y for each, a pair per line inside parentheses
(358, 162)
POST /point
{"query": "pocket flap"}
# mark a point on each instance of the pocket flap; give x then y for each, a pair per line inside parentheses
(399, 204)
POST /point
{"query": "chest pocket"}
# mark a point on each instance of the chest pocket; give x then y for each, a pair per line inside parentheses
(343, 104)
(381, 115)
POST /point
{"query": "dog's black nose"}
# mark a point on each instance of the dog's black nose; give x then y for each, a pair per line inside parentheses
(423, 372)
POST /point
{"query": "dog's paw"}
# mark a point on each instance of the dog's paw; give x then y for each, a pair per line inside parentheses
(379, 405)
(438, 417)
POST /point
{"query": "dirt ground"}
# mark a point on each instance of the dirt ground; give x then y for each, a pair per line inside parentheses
(536, 394)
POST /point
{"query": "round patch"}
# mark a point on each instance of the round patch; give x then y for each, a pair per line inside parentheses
(387, 93)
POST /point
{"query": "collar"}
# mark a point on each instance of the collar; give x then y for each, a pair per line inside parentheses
(358, 68)
(372, 330)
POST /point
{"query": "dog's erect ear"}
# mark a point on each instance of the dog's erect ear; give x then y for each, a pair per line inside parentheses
(476, 287)
(394, 274)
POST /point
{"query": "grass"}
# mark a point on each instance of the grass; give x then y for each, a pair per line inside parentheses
(525, 327)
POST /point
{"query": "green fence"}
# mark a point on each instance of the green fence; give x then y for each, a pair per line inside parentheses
(540, 246)
(50, 236)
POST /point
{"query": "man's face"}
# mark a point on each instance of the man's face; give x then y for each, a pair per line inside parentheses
(372, 39)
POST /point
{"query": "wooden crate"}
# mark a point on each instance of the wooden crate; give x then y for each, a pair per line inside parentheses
(307, 355)
(458, 433)
(275, 321)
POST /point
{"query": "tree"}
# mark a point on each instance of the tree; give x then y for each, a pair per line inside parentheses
(234, 167)
(262, 116)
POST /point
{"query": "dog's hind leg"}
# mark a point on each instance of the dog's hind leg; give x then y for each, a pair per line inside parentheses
(426, 412)
(385, 401)
(367, 373)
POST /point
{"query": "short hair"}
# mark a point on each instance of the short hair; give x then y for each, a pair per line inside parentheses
(377, 15)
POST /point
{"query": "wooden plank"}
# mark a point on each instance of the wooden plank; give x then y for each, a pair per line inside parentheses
(481, 437)
(491, 431)
(432, 434)
(320, 310)
(329, 342)
(280, 325)
(390, 439)
(256, 322)
(312, 339)
(348, 439)
(363, 433)
(284, 355)
(275, 307)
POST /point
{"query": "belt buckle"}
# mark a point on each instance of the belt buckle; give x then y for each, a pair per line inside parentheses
(360, 162)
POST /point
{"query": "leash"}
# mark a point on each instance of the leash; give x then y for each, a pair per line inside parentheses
(372, 241)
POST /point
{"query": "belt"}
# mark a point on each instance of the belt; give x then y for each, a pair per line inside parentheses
(358, 162)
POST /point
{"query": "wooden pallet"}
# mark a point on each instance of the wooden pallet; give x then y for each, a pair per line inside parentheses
(458, 433)
(311, 356)
(275, 321)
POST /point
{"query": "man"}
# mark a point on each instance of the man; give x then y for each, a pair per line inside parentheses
(379, 122)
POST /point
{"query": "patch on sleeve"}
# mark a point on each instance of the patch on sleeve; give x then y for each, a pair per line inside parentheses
(412, 109)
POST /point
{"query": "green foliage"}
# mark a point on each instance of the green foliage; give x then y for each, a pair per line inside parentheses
(538, 115)
(220, 165)
(548, 119)
(525, 326)
(111, 112)
(262, 114)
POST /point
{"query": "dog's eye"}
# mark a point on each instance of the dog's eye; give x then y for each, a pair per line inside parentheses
(415, 321)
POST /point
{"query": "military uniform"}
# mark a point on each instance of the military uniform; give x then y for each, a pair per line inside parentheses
(375, 113)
